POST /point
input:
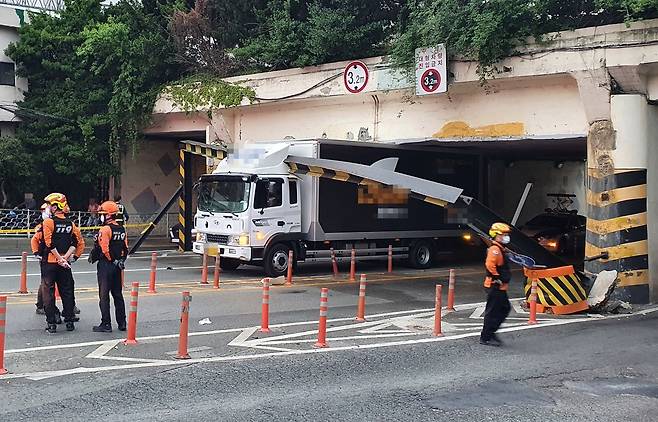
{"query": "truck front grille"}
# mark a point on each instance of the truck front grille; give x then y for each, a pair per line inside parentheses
(217, 238)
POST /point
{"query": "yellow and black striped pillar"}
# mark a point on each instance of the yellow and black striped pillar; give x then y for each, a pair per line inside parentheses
(185, 202)
(617, 223)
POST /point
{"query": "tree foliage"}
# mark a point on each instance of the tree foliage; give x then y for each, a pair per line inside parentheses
(97, 72)
(310, 32)
(486, 31)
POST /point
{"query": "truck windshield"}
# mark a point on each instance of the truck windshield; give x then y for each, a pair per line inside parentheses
(230, 194)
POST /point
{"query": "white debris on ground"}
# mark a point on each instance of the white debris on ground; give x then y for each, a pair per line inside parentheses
(205, 321)
(599, 295)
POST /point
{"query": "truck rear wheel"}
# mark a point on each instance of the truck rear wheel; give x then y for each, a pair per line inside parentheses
(276, 260)
(421, 254)
(229, 264)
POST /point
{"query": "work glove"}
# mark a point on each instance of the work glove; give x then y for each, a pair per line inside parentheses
(73, 258)
(38, 256)
(89, 260)
(119, 264)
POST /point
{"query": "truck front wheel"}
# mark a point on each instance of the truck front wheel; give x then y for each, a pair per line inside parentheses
(421, 254)
(276, 260)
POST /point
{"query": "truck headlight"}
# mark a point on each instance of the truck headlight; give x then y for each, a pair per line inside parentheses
(239, 240)
(200, 237)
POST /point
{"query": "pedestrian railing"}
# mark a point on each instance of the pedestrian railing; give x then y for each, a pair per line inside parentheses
(22, 222)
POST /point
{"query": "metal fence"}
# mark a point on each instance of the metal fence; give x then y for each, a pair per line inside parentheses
(21, 222)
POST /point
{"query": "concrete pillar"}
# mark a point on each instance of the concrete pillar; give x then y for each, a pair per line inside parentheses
(618, 151)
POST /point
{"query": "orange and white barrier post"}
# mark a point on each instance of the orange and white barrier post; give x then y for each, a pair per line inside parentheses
(22, 289)
(218, 269)
(361, 306)
(204, 268)
(289, 275)
(322, 324)
(437, 312)
(451, 291)
(154, 266)
(533, 303)
(3, 315)
(265, 307)
(334, 264)
(184, 327)
(353, 265)
(390, 258)
(132, 316)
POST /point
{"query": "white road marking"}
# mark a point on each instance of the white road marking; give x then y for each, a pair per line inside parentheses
(82, 370)
(103, 349)
(477, 313)
(159, 363)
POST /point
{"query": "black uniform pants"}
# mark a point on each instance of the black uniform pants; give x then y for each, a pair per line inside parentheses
(497, 309)
(51, 274)
(40, 293)
(109, 282)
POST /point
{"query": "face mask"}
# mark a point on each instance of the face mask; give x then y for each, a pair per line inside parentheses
(505, 240)
(103, 219)
(45, 214)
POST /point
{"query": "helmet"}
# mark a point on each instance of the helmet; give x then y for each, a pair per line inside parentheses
(499, 228)
(108, 207)
(57, 199)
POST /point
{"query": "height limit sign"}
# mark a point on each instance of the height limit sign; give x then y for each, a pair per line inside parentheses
(431, 70)
(355, 77)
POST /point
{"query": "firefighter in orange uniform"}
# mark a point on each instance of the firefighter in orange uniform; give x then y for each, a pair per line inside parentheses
(496, 284)
(62, 244)
(37, 249)
(111, 251)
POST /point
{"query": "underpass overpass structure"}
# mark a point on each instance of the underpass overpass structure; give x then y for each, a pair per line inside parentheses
(574, 116)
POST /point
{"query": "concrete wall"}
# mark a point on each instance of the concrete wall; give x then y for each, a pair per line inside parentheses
(513, 111)
(652, 198)
(506, 185)
(150, 176)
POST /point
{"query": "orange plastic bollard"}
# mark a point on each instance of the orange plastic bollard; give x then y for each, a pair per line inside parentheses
(132, 316)
(57, 296)
(289, 274)
(437, 312)
(218, 269)
(451, 291)
(154, 267)
(361, 306)
(533, 303)
(265, 307)
(122, 281)
(184, 327)
(353, 265)
(322, 324)
(390, 258)
(334, 264)
(204, 268)
(22, 289)
(3, 315)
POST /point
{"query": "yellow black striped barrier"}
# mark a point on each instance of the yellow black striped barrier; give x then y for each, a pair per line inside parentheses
(559, 289)
(617, 223)
(316, 171)
(206, 150)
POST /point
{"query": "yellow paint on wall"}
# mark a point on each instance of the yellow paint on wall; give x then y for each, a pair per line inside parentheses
(459, 129)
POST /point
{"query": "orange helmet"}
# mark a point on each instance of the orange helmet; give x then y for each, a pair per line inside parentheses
(108, 207)
(499, 228)
(57, 199)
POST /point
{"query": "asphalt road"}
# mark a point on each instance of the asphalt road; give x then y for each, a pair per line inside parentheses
(388, 368)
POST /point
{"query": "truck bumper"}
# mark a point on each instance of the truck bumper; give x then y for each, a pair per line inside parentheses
(237, 252)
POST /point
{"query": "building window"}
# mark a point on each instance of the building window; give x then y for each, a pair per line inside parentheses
(7, 74)
(293, 191)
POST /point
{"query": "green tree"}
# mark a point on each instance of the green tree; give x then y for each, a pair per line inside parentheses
(310, 32)
(94, 73)
(487, 31)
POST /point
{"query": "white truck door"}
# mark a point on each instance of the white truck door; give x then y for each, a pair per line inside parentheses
(273, 213)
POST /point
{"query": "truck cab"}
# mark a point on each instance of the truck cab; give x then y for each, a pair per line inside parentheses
(249, 202)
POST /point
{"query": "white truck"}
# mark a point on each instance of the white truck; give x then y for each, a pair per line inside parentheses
(252, 210)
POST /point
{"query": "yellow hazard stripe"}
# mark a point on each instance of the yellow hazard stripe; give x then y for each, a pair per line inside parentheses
(570, 286)
(617, 195)
(633, 278)
(616, 224)
(626, 250)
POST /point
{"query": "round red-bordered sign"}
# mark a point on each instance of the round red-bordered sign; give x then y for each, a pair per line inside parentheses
(355, 77)
(431, 80)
